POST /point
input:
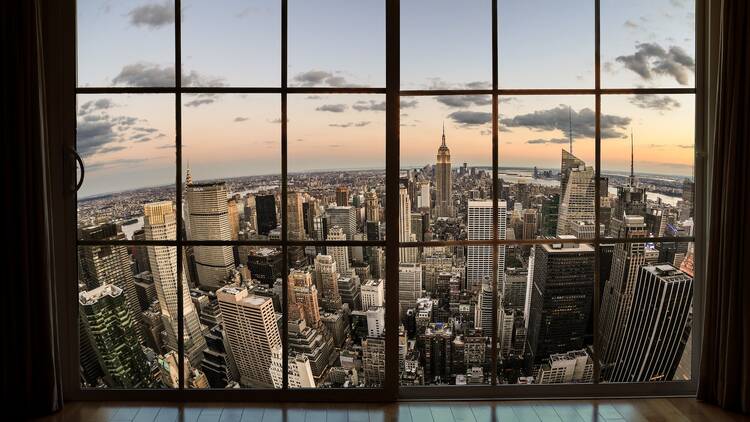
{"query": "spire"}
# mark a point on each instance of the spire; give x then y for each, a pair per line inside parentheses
(188, 176)
(570, 128)
(632, 172)
(443, 133)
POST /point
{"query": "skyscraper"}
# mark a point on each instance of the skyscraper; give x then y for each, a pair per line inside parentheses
(561, 298)
(208, 219)
(372, 208)
(617, 295)
(295, 219)
(304, 294)
(111, 329)
(409, 285)
(340, 254)
(265, 210)
(327, 279)
(342, 196)
(404, 227)
(159, 224)
(344, 217)
(578, 194)
(443, 184)
(658, 326)
(253, 333)
(479, 227)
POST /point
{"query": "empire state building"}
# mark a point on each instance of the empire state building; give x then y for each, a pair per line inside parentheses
(443, 201)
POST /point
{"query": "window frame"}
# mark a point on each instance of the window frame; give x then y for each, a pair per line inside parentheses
(67, 303)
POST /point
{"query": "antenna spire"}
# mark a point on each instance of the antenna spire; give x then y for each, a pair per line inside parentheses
(443, 132)
(632, 155)
(570, 128)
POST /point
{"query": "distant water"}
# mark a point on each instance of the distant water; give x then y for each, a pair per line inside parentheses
(132, 228)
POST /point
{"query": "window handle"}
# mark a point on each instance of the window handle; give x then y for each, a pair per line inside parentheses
(78, 159)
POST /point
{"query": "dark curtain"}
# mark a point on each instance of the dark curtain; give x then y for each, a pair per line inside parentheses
(31, 375)
(725, 359)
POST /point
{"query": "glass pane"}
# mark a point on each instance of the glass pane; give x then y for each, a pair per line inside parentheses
(445, 44)
(125, 43)
(127, 146)
(445, 335)
(444, 170)
(533, 34)
(649, 169)
(232, 171)
(338, 43)
(557, 319)
(231, 43)
(648, 43)
(336, 317)
(548, 190)
(336, 167)
(645, 332)
(237, 320)
(127, 320)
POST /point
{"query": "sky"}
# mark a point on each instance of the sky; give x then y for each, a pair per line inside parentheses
(127, 141)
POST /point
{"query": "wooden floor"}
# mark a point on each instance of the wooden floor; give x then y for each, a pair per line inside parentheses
(660, 409)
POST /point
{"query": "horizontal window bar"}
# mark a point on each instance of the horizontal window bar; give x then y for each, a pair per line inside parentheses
(488, 242)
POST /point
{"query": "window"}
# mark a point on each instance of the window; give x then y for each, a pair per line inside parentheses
(407, 198)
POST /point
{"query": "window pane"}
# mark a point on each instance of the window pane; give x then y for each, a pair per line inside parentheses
(547, 190)
(559, 325)
(127, 146)
(648, 43)
(126, 299)
(231, 43)
(445, 335)
(534, 34)
(232, 150)
(444, 169)
(649, 168)
(336, 316)
(336, 166)
(236, 321)
(645, 333)
(445, 44)
(337, 43)
(125, 43)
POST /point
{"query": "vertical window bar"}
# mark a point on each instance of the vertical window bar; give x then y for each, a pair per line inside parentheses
(178, 193)
(597, 187)
(392, 141)
(284, 238)
(495, 193)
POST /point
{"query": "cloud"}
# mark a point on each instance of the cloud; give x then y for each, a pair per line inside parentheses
(655, 102)
(98, 132)
(350, 124)
(320, 77)
(95, 105)
(333, 108)
(201, 99)
(561, 118)
(408, 104)
(240, 119)
(371, 105)
(470, 118)
(439, 83)
(652, 59)
(548, 141)
(153, 16)
(143, 74)
(630, 24)
(278, 120)
(464, 101)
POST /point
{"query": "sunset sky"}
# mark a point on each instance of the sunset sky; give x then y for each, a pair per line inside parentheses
(127, 141)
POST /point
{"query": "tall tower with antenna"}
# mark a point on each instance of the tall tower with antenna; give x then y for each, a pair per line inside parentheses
(443, 183)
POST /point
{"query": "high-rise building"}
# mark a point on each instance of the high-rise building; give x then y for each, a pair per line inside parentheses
(340, 254)
(483, 310)
(529, 223)
(409, 286)
(295, 218)
(443, 183)
(658, 326)
(303, 293)
(373, 293)
(617, 295)
(406, 255)
(479, 227)
(265, 211)
(578, 193)
(572, 367)
(375, 321)
(208, 219)
(159, 224)
(109, 326)
(251, 328)
(344, 217)
(342, 196)
(170, 372)
(372, 208)
(373, 361)
(561, 298)
(327, 279)
(316, 344)
(265, 264)
(110, 264)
